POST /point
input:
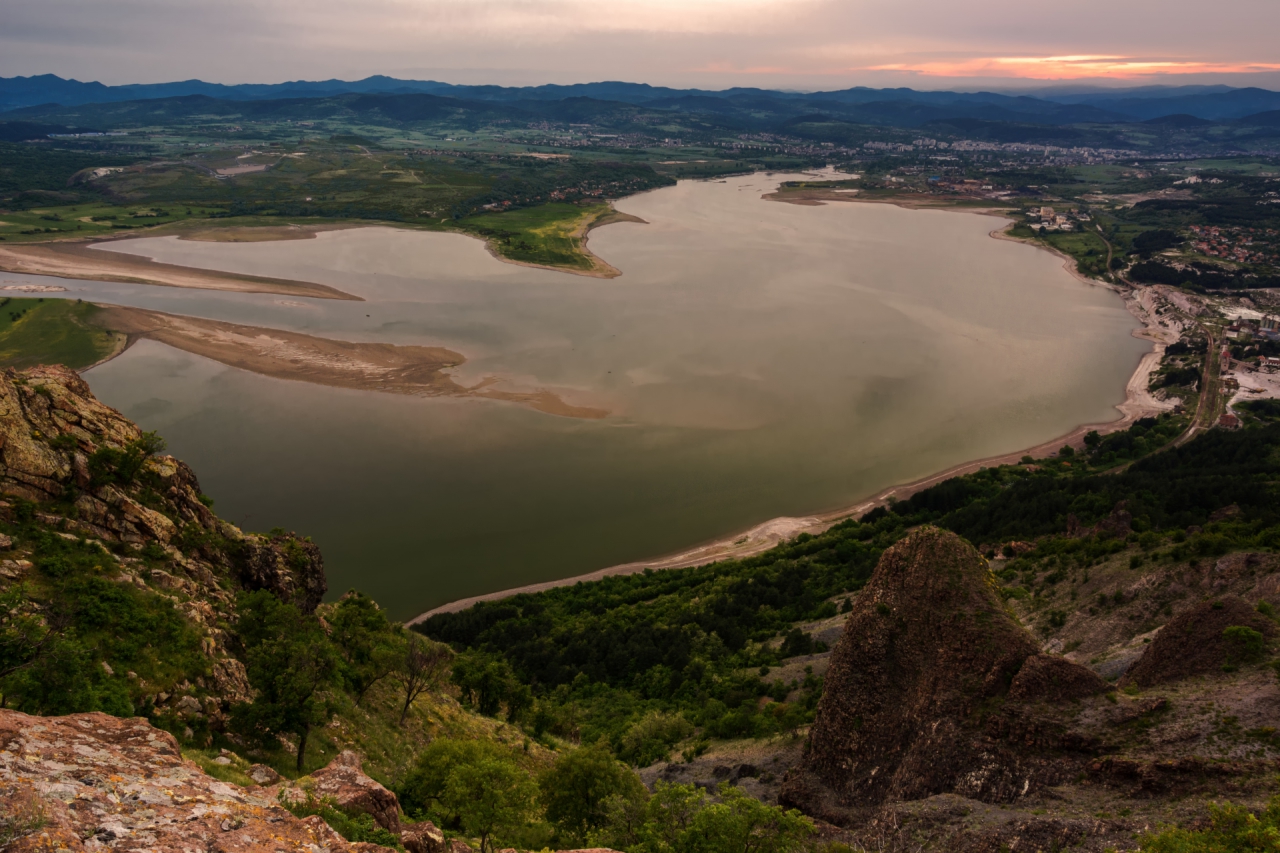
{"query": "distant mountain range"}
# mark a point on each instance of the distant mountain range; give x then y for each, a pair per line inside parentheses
(900, 107)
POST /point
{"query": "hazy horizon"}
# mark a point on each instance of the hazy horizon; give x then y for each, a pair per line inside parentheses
(803, 45)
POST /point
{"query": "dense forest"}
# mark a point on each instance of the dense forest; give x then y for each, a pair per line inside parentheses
(643, 659)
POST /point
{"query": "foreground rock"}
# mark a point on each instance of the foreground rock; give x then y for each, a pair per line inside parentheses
(92, 475)
(93, 782)
(344, 783)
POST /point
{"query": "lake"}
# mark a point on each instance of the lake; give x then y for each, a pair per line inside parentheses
(759, 359)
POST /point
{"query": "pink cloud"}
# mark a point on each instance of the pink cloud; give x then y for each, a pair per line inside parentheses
(1069, 67)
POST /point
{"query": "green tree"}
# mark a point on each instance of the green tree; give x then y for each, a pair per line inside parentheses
(658, 824)
(650, 738)
(422, 791)
(576, 787)
(290, 663)
(489, 684)
(683, 819)
(743, 824)
(367, 642)
(1244, 644)
(420, 665)
(491, 796)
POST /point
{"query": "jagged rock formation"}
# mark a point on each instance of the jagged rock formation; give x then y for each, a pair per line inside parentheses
(910, 703)
(90, 782)
(83, 471)
(1193, 643)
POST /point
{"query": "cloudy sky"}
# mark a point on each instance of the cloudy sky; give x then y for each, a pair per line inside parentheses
(799, 44)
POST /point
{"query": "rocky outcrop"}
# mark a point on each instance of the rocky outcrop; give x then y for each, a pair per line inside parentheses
(343, 781)
(59, 445)
(88, 782)
(83, 471)
(1193, 643)
(927, 654)
(290, 567)
(1045, 678)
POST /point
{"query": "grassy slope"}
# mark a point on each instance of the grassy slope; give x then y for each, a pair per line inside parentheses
(52, 331)
(547, 235)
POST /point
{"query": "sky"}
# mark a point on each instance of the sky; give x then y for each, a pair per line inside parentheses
(784, 44)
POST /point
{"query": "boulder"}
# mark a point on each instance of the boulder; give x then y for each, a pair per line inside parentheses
(1193, 642)
(424, 837)
(91, 782)
(264, 775)
(343, 781)
(927, 645)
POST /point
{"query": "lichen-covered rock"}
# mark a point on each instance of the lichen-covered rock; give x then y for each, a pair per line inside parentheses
(1046, 678)
(264, 775)
(927, 644)
(424, 837)
(92, 782)
(1193, 642)
(344, 782)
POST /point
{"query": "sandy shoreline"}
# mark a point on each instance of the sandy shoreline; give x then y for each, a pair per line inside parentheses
(84, 261)
(1138, 403)
(90, 260)
(391, 368)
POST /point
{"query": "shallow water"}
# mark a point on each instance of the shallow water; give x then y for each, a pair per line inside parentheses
(761, 359)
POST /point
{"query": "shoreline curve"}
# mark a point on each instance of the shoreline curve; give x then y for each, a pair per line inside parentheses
(1138, 403)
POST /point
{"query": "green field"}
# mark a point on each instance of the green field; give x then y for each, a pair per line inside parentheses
(51, 331)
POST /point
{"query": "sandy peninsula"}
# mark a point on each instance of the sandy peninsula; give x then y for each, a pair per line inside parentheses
(416, 370)
(84, 261)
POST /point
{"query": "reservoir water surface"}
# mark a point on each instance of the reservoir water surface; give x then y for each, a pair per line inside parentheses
(759, 359)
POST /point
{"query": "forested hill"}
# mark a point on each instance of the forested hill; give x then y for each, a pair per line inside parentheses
(699, 643)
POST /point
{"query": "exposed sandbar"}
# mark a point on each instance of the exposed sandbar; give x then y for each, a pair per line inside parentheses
(416, 370)
(80, 261)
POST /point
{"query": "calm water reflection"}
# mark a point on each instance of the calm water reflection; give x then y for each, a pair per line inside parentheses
(761, 359)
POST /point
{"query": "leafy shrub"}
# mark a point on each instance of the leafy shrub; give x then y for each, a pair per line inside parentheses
(109, 465)
(574, 790)
(1232, 829)
(683, 818)
(353, 827)
(1244, 645)
(797, 642)
(651, 738)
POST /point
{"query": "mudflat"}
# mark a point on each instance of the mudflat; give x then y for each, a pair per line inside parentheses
(417, 370)
(84, 261)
